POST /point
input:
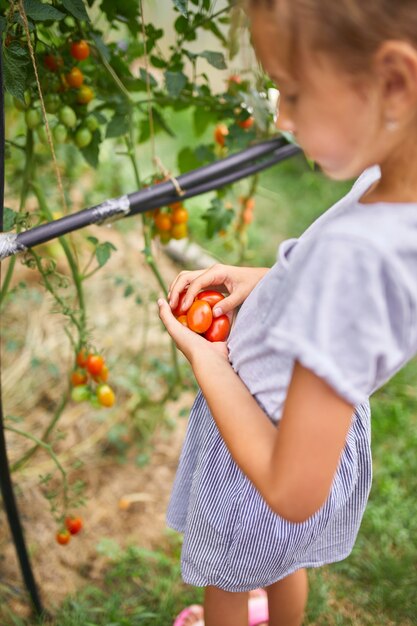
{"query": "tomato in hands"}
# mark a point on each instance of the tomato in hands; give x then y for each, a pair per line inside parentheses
(210, 296)
(219, 329)
(199, 316)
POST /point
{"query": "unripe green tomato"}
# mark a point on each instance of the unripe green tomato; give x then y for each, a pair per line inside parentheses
(81, 393)
(60, 133)
(42, 135)
(33, 118)
(22, 106)
(67, 116)
(83, 137)
(52, 102)
(92, 123)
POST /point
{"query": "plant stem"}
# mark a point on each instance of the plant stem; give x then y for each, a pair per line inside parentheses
(46, 446)
(27, 176)
(71, 262)
(45, 436)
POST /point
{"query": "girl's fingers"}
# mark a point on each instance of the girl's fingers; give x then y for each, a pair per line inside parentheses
(178, 285)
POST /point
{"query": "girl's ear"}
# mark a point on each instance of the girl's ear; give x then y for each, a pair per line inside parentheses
(395, 67)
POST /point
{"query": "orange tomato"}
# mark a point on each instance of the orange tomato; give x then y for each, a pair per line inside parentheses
(163, 222)
(179, 216)
(220, 133)
(179, 231)
(63, 537)
(75, 77)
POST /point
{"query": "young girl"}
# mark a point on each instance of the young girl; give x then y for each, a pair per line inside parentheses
(276, 467)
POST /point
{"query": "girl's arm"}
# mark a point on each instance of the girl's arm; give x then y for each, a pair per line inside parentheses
(293, 465)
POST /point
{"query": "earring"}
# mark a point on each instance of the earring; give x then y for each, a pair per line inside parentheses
(391, 124)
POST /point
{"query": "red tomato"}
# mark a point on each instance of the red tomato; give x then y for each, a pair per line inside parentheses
(81, 358)
(80, 50)
(211, 296)
(73, 524)
(199, 316)
(103, 375)
(63, 537)
(95, 364)
(78, 377)
(219, 329)
(247, 123)
(52, 62)
(179, 309)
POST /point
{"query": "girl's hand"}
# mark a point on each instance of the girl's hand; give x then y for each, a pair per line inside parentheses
(239, 282)
(190, 343)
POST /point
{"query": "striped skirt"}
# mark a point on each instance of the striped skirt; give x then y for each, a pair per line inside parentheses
(232, 539)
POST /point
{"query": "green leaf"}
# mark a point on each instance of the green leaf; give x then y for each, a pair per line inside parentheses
(217, 218)
(143, 74)
(175, 83)
(181, 24)
(40, 12)
(186, 160)
(103, 252)
(160, 123)
(216, 59)
(118, 125)
(9, 219)
(181, 5)
(202, 118)
(77, 9)
(16, 68)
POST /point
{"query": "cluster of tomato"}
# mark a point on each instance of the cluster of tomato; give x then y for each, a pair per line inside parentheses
(66, 96)
(199, 316)
(73, 525)
(89, 380)
(170, 222)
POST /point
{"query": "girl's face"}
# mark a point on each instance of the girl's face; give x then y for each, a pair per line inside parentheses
(337, 122)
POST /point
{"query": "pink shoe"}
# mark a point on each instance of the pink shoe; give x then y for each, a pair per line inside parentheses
(258, 608)
(258, 611)
(188, 612)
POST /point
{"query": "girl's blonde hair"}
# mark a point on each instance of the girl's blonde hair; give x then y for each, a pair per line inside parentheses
(350, 30)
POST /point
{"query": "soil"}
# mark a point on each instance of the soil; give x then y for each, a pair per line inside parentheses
(29, 392)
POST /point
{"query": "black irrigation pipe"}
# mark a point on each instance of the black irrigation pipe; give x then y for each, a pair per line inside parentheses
(6, 484)
(214, 176)
(201, 180)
